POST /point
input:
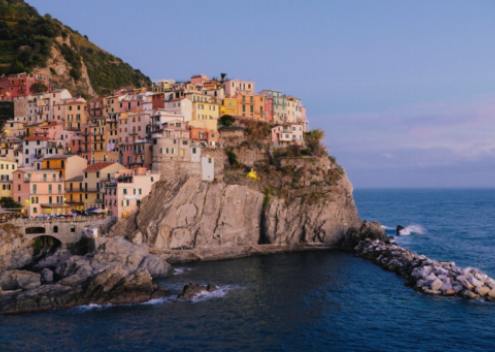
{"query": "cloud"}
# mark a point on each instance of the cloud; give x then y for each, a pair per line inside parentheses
(431, 136)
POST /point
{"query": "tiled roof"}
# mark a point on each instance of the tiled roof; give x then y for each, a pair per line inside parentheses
(98, 166)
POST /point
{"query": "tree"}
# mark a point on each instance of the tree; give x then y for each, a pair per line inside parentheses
(313, 141)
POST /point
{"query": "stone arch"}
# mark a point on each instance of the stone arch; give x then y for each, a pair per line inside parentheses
(45, 245)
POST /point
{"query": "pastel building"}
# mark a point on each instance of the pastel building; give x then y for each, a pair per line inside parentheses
(40, 192)
(124, 192)
(73, 112)
(7, 168)
(33, 149)
(20, 84)
(283, 135)
(94, 176)
(67, 166)
(233, 87)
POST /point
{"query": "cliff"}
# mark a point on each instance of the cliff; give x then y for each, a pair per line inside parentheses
(294, 203)
(39, 44)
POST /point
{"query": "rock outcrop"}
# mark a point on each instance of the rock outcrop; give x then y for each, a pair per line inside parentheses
(117, 272)
(193, 290)
(189, 218)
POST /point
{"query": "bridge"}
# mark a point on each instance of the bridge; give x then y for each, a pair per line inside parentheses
(64, 230)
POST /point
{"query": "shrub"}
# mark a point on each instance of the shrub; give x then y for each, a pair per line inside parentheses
(9, 203)
(226, 121)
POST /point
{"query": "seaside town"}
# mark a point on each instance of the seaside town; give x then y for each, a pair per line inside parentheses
(63, 155)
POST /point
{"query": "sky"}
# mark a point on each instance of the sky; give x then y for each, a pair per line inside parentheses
(404, 90)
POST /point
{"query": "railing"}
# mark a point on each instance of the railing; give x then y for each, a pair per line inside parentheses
(78, 218)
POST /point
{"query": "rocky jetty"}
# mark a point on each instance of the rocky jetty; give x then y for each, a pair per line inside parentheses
(420, 272)
(117, 272)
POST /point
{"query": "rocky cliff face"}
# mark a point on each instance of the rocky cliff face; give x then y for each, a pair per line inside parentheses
(301, 203)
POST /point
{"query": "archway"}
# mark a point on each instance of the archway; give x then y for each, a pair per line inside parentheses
(45, 246)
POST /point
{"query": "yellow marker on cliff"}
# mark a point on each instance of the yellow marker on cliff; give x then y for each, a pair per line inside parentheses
(252, 175)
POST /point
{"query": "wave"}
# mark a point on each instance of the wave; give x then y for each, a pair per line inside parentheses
(180, 271)
(93, 306)
(413, 229)
(160, 300)
(220, 292)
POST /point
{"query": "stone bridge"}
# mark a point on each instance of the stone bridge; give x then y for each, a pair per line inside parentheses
(65, 230)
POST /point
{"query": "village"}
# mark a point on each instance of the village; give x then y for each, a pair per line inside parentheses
(64, 156)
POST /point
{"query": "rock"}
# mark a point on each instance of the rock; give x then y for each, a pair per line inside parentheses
(436, 285)
(483, 290)
(426, 275)
(192, 290)
(19, 279)
(118, 272)
(156, 266)
(46, 276)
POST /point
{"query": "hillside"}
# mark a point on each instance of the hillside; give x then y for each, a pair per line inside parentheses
(41, 44)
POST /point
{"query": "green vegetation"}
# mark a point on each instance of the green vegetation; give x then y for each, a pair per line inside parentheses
(232, 158)
(73, 59)
(9, 203)
(313, 140)
(226, 121)
(27, 39)
(6, 112)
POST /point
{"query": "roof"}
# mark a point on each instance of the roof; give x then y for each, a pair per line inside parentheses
(75, 179)
(99, 166)
(57, 157)
(35, 138)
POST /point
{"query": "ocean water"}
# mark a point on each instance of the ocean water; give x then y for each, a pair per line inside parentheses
(308, 301)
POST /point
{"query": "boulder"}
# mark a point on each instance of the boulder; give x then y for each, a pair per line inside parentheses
(191, 290)
(19, 279)
(483, 290)
(46, 276)
(156, 266)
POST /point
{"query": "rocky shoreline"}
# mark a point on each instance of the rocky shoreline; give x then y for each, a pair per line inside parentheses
(426, 275)
(117, 272)
(120, 272)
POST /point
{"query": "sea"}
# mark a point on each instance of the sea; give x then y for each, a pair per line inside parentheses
(310, 301)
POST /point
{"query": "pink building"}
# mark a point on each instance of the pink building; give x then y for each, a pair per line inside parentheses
(124, 193)
(20, 84)
(40, 192)
(50, 130)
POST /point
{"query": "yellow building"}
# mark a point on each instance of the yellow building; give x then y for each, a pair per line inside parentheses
(205, 115)
(7, 167)
(94, 176)
(74, 193)
(229, 107)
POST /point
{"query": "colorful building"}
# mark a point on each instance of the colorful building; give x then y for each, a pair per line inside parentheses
(7, 168)
(94, 176)
(40, 192)
(123, 193)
